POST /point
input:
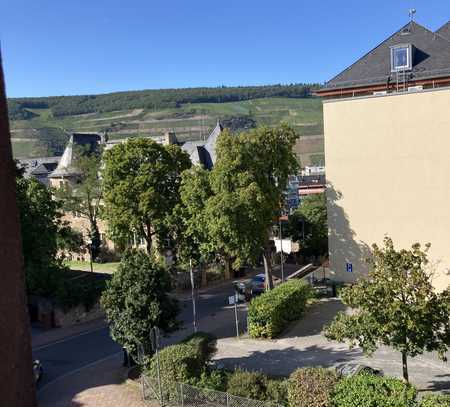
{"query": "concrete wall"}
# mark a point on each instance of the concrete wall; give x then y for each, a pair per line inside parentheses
(388, 172)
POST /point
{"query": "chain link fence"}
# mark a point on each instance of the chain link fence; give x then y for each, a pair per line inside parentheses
(185, 395)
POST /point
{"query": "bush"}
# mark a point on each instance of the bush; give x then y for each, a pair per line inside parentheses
(272, 311)
(365, 390)
(250, 385)
(185, 362)
(435, 400)
(311, 387)
(277, 391)
(214, 379)
(205, 343)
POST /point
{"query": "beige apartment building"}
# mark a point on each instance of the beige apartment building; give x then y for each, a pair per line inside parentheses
(387, 152)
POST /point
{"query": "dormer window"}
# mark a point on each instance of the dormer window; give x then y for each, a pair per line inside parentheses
(401, 57)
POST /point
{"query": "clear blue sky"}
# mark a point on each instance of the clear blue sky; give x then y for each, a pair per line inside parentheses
(63, 47)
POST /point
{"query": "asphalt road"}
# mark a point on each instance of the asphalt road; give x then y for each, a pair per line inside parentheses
(213, 315)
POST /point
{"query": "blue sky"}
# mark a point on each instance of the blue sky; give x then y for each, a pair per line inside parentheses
(63, 47)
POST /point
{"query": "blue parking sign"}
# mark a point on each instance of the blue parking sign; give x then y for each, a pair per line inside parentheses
(349, 267)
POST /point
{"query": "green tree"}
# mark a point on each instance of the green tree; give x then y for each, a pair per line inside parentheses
(137, 299)
(190, 224)
(141, 181)
(40, 219)
(248, 181)
(84, 197)
(395, 306)
(308, 225)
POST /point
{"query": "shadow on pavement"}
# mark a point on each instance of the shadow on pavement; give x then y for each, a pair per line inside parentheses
(284, 362)
(442, 386)
(315, 318)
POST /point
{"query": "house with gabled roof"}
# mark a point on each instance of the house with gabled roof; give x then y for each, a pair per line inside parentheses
(387, 151)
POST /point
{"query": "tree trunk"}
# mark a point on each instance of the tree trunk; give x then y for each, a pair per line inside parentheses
(405, 367)
(268, 266)
(227, 268)
(17, 386)
(202, 267)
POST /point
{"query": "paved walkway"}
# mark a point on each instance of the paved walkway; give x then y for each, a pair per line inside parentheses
(100, 385)
(305, 345)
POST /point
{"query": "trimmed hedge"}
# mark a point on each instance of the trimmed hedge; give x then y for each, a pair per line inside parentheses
(186, 361)
(257, 386)
(312, 387)
(365, 390)
(251, 385)
(435, 400)
(273, 310)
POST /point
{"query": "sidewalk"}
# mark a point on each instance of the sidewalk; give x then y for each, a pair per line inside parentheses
(304, 345)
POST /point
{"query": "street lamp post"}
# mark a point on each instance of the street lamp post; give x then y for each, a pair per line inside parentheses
(281, 252)
(90, 254)
(194, 316)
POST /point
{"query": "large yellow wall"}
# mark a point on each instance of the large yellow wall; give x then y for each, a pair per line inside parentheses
(388, 172)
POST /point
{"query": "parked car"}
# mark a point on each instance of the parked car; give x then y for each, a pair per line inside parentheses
(352, 369)
(37, 370)
(258, 284)
(243, 290)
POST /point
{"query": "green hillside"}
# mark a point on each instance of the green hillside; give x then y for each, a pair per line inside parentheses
(38, 131)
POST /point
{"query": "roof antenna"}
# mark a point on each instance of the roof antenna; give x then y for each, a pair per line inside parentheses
(412, 13)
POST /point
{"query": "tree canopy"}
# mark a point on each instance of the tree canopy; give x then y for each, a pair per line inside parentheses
(308, 225)
(141, 180)
(40, 220)
(137, 299)
(84, 197)
(247, 184)
(150, 99)
(395, 306)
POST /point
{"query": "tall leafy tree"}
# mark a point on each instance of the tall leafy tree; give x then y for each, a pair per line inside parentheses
(141, 181)
(137, 299)
(191, 223)
(395, 306)
(84, 197)
(247, 182)
(40, 220)
(308, 225)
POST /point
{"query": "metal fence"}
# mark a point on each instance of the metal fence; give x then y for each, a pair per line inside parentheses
(184, 395)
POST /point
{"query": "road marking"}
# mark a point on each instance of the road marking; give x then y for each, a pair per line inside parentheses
(69, 338)
(39, 391)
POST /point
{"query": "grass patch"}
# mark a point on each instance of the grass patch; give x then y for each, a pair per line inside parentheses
(98, 267)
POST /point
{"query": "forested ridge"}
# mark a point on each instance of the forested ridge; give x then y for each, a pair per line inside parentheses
(150, 99)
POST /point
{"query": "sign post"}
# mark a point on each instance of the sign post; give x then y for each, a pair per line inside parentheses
(233, 299)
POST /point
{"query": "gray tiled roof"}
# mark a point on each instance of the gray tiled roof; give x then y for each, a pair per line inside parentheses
(38, 166)
(87, 141)
(204, 153)
(444, 31)
(431, 58)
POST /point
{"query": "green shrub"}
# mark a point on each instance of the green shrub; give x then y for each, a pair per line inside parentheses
(250, 385)
(272, 311)
(311, 387)
(213, 379)
(365, 390)
(435, 400)
(206, 344)
(277, 391)
(178, 363)
(185, 362)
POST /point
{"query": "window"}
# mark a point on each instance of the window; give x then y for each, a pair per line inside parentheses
(401, 57)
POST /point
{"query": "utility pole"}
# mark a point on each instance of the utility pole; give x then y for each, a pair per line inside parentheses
(194, 316)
